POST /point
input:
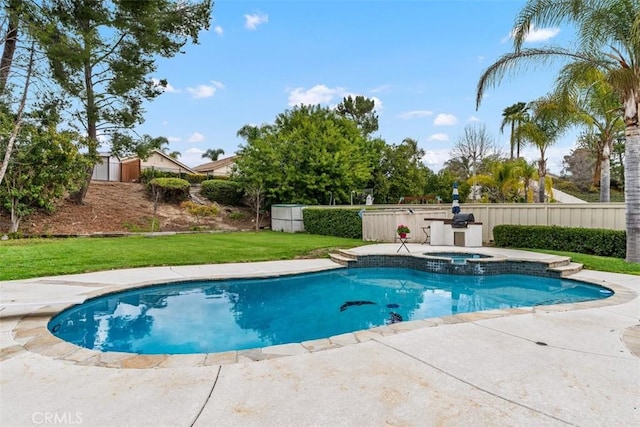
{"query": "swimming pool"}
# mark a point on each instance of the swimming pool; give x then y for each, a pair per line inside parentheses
(216, 316)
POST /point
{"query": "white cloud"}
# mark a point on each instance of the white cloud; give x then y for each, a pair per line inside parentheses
(535, 34)
(319, 94)
(218, 30)
(481, 58)
(473, 119)
(205, 91)
(415, 114)
(196, 137)
(445, 120)
(194, 150)
(251, 22)
(174, 139)
(435, 159)
(442, 137)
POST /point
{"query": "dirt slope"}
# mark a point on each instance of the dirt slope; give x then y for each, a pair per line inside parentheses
(124, 207)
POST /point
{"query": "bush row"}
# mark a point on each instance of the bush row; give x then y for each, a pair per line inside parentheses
(228, 193)
(148, 174)
(333, 222)
(592, 241)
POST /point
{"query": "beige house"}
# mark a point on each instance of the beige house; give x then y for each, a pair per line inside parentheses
(222, 167)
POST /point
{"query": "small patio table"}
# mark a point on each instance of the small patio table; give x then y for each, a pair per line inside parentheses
(403, 243)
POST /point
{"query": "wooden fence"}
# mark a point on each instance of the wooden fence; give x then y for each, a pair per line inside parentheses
(380, 223)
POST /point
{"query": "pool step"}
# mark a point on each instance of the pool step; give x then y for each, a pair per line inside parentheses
(344, 257)
(568, 269)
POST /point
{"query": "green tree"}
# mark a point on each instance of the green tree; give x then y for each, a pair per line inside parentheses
(502, 182)
(59, 164)
(597, 108)
(213, 154)
(102, 53)
(548, 121)
(403, 171)
(514, 115)
(309, 155)
(362, 111)
(608, 38)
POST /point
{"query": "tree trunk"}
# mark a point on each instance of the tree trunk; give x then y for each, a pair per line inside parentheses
(597, 172)
(632, 190)
(92, 133)
(15, 218)
(11, 39)
(541, 186)
(605, 174)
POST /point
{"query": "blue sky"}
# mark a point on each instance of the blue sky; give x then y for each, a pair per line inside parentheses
(420, 60)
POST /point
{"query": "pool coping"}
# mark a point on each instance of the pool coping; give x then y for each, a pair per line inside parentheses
(31, 332)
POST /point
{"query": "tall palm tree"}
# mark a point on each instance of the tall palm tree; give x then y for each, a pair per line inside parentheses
(608, 38)
(548, 121)
(514, 115)
(212, 154)
(598, 108)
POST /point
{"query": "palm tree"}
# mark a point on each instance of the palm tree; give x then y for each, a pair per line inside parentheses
(212, 154)
(598, 107)
(547, 123)
(502, 181)
(514, 116)
(527, 172)
(608, 38)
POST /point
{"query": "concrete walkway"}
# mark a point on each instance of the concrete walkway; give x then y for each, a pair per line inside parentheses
(554, 365)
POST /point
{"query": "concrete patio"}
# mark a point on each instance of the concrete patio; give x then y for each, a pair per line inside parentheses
(574, 364)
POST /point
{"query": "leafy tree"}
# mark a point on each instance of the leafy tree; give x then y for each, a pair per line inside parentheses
(59, 164)
(403, 171)
(362, 111)
(514, 115)
(309, 155)
(441, 184)
(608, 38)
(526, 173)
(213, 154)
(579, 163)
(102, 53)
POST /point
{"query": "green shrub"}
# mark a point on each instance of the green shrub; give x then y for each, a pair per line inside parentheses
(170, 190)
(333, 222)
(148, 174)
(199, 211)
(592, 241)
(226, 193)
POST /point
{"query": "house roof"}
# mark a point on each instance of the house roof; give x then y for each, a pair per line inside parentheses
(215, 165)
(166, 156)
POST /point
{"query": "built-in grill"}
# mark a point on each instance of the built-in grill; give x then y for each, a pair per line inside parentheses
(461, 220)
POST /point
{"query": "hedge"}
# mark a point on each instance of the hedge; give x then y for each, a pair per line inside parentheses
(592, 241)
(333, 222)
(150, 173)
(228, 193)
(170, 190)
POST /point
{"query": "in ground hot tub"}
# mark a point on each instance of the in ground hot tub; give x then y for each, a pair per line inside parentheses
(457, 257)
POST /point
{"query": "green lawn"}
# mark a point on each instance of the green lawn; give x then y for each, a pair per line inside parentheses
(20, 259)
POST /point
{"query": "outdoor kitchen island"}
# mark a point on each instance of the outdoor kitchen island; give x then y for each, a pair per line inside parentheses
(461, 230)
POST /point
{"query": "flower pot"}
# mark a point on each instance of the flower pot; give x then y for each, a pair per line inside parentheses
(403, 235)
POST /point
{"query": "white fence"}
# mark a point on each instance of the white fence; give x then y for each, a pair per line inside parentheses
(380, 224)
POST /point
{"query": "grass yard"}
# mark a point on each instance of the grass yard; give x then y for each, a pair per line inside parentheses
(21, 259)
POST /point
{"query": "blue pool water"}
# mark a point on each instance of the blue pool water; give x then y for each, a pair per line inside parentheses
(214, 316)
